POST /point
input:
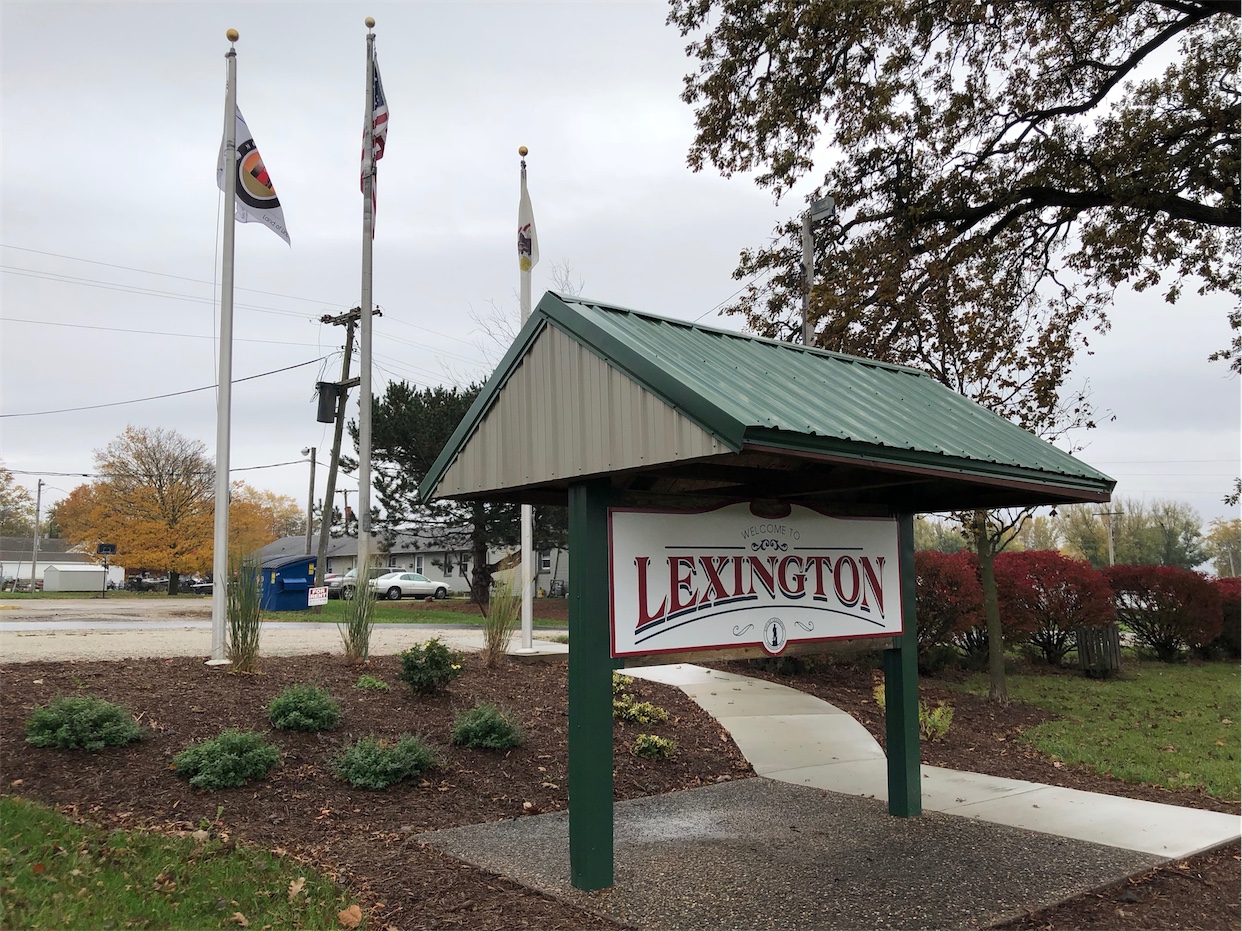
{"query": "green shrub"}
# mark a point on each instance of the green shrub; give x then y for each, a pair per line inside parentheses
(504, 611)
(359, 620)
(485, 727)
(429, 667)
(653, 747)
(304, 708)
(373, 763)
(244, 598)
(620, 683)
(372, 684)
(225, 762)
(626, 708)
(71, 723)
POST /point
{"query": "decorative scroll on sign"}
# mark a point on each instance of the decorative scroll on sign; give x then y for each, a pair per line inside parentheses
(683, 581)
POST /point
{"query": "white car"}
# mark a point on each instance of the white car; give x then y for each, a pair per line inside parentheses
(394, 585)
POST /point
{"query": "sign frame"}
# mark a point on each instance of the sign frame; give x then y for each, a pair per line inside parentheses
(730, 571)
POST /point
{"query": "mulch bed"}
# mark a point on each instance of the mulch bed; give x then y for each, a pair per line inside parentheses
(1200, 893)
(364, 838)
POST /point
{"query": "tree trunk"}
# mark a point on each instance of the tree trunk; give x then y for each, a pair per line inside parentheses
(174, 583)
(985, 547)
(481, 576)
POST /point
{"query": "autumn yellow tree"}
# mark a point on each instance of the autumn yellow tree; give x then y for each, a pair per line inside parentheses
(256, 518)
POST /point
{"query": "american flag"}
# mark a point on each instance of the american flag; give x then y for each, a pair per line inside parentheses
(379, 128)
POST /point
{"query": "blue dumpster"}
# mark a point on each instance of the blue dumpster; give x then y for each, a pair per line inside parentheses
(286, 583)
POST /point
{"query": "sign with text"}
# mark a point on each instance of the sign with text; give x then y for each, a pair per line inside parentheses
(316, 596)
(682, 581)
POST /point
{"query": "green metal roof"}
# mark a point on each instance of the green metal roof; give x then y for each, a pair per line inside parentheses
(759, 393)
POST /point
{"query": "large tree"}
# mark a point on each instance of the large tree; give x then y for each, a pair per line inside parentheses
(1076, 146)
(410, 426)
(17, 508)
(1160, 533)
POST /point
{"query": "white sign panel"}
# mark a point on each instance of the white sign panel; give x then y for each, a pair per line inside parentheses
(682, 581)
(316, 596)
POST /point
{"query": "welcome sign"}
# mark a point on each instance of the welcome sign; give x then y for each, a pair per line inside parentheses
(682, 581)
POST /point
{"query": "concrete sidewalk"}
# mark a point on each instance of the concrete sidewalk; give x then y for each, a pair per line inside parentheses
(796, 738)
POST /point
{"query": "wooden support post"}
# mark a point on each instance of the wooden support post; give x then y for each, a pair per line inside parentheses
(901, 692)
(590, 689)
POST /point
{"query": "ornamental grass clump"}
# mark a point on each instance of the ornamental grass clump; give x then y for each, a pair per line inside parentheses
(228, 761)
(304, 708)
(359, 622)
(429, 667)
(503, 613)
(85, 723)
(485, 727)
(244, 598)
(375, 763)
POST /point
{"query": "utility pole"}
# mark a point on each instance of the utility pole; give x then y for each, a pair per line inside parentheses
(34, 559)
(310, 503)
(1108, 519)
(348, 320)
(823, 209)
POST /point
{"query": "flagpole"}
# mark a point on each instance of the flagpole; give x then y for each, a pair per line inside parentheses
(364, 335)
(528, 513)
(224, 381)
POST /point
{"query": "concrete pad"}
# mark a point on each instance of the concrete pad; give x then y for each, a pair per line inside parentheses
(781, 742)
(867, 778)
(1167, 831)
(758, 854)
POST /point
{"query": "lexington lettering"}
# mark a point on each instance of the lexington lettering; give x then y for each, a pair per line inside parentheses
(682, 584)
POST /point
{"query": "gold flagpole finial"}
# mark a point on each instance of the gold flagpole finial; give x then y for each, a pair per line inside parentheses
(370, 21)
(231, 35)
(522, 150)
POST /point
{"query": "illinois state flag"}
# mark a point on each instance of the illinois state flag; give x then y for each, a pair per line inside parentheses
(528, 240)
(256, 198)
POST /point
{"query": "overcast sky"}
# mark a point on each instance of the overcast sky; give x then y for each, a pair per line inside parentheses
(112, 117)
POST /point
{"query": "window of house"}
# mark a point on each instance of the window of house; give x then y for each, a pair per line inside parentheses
(545, 561)
(448, 565)
(463, 564)
(418, 564)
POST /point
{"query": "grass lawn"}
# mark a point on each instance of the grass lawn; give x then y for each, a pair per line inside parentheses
(398, 612)
(1159, 723)
(58, 874)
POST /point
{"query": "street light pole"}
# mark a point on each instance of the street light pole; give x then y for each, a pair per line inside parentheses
(310, 500)
(823, 209)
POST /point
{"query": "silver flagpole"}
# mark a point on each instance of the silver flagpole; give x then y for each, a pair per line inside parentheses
(224, 382)
(364, 336)
(528, 513)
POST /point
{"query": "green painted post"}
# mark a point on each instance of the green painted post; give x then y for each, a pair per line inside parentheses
(590, 689)
(901, 692)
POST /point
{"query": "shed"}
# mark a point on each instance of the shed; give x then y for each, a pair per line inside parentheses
(287, 582)
(58, 578)
(609, 409)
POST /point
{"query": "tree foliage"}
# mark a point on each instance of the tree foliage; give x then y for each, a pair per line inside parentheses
(155, 500)
(17, 507)
(1052, 596)
(1160, 533)
(948, 599)
(1069, 147)
(1224, 546)
(410, 426)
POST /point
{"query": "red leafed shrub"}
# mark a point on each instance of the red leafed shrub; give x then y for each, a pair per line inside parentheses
(1051, 596)
(949, 600)
(1229, 642)
(1167, 609)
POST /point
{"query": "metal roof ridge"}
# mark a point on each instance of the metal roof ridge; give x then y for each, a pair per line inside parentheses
(749, 337)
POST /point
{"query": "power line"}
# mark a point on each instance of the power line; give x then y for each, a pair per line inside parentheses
(113, 329)
(159, 397)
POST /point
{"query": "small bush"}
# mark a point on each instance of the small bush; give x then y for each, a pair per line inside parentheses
(304, 708)
(225, 762)
(504, 612)
(620, 683)
(372, 684)
(933, 722)
(429, 667)
(626, 708)
(71, 723)
(373, 763)
(485, 727)
(653, 747)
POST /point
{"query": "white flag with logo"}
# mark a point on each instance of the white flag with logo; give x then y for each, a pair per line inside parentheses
(528, 240)
(256, 198)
